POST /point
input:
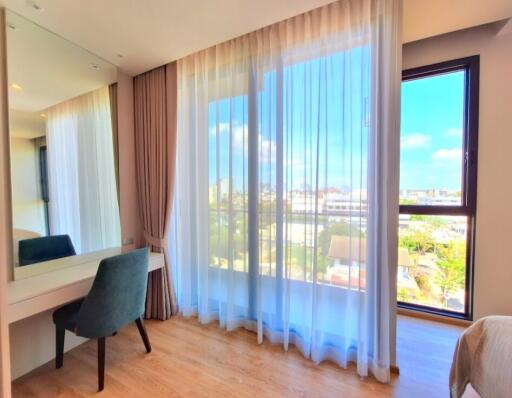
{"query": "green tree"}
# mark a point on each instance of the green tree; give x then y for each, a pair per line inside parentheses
(418, 241)
(403, 295)
(450, 275)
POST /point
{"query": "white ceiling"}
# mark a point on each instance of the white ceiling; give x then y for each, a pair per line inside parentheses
(150, 33)
(48, 68)
(26, 125)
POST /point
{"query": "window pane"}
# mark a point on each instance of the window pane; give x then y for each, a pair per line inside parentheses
(227, 153)
(222, 246)
(342, 252)
(432, 261)
(432, 144)
(227, 191)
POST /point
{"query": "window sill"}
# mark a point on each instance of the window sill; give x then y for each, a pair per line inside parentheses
(433, 317)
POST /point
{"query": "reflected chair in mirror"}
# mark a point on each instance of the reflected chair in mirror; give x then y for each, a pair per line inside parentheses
(116, 299)
(21, 234)
(45, 248)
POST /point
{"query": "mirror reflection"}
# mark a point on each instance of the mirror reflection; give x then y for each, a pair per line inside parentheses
(63, 140)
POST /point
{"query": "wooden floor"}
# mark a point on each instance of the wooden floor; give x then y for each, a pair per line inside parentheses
(193, 360)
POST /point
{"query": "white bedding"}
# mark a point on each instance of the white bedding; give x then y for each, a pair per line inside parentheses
(483, 357)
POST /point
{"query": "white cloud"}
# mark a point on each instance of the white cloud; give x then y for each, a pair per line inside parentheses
(453, 133)
(267, 150)
(223, 128)
(415, 140)
(237, 132)
(447, 154)
(238, 136)
(267, 147)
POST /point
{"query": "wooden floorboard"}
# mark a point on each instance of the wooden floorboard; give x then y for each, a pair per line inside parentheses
(193, 360)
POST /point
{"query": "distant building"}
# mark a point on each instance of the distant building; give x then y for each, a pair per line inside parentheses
(221, 188)
(307, 202)
(430, 197)
(346, 203)
(439, 201)
(302, 234)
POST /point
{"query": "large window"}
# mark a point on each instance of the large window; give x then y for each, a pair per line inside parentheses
(308, 173)
(282, 151)
(438, 160)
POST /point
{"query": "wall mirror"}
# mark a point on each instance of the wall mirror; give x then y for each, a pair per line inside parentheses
(63, 140)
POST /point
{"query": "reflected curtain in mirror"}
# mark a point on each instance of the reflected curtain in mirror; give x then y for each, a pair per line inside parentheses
(81, 172)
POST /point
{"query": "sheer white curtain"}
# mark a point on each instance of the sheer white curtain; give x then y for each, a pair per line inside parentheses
(286, 186)
(81, 172)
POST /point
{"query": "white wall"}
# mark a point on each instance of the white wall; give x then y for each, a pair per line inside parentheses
(131, 227)
(33, 343)
(493, 258)
(27, 206)
(5, 217)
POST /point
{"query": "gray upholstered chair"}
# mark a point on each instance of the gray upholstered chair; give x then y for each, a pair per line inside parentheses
(45, 248)
(117, 298)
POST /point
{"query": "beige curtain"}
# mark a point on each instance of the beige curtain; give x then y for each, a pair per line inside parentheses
(155, 138)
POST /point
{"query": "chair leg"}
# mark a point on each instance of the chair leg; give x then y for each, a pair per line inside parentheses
(101, 363)
(143, 334)
(60, 332)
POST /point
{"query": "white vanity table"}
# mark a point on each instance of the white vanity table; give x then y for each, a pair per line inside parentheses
(32, 299)
(49, 289)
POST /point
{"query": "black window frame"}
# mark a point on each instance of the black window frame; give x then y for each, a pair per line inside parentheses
(43, 180)
(471, 66)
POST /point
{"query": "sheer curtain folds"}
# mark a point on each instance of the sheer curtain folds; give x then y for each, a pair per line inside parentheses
(81, 172)
(286, 184)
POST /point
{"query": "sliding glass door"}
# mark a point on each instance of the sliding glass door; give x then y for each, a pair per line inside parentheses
(287, 173)
(281, 220)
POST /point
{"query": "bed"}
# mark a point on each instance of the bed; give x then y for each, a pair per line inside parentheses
(483, 357)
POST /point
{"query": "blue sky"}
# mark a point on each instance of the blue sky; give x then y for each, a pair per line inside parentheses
(324, 104)
(431, 136)
(333, 116)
